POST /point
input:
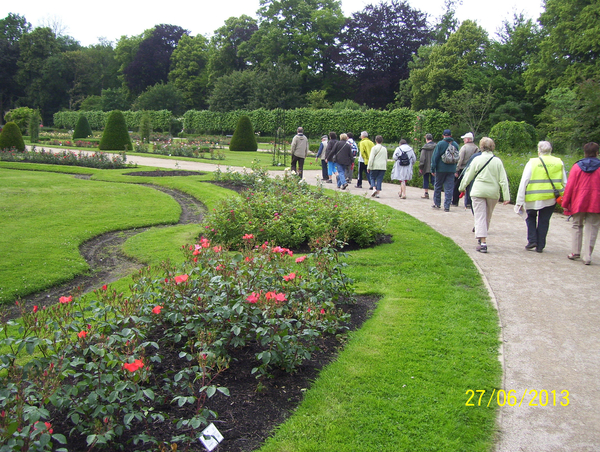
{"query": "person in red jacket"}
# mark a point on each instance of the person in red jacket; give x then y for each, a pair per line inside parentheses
(581, 199)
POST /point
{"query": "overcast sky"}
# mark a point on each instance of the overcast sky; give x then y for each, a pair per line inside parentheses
(112, 19)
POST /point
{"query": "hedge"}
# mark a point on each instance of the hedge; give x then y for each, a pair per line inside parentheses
(161, 119)
(392, 125)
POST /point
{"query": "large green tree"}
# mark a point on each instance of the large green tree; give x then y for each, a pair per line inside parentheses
(298, 33)
(569, 51)
(377, 45)
(225, 55)
(189, 71)
(510, 54)
(12, 28)
(461, 62)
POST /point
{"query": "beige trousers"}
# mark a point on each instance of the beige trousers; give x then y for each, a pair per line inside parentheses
(585, 229)
(482, 210)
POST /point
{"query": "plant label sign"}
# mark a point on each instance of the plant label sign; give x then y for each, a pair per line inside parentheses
(211, 437)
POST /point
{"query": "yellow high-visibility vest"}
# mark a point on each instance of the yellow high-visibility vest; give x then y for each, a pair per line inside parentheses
(539, 186)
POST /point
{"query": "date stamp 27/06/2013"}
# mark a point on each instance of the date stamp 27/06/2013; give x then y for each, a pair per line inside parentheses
(529, 397)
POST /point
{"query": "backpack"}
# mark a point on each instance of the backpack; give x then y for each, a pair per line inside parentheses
(354, 147)
(450, 155)
(403, 158)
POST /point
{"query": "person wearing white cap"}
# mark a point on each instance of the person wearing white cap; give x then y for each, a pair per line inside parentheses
(465, 153)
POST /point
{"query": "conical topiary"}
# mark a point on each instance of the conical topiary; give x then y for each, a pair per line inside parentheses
(243, 138)
(11, 137)
(115, 136)
(82, 129)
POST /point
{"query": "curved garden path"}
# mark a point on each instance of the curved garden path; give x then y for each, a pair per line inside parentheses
(549, 311)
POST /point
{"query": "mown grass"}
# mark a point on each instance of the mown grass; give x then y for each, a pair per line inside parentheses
(47, 216)
(400, 383)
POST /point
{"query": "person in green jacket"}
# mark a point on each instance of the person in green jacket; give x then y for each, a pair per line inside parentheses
(487, 175)
(377, 165)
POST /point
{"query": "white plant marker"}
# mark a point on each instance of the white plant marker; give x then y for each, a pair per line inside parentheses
(211, 437)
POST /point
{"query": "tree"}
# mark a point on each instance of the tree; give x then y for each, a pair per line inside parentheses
(377, 45)
(82, 129)
(34, 126)
(233, 92)
(276, 87)
(447, 23)
(587, 113)
(243, 138)
(470, 109)
(558, 120)
(316, 100)
(225, 56)
(115, 136)
(151, 63)
(12, 28)
(189, 71)
(162, 96)
(114, 99)
(20, 116)
(297, 33)
(459, 63)
(569, 51)
(91, 103)
(510, 55)
(11, 137)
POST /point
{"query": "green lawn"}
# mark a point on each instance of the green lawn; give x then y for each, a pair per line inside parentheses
(400, 383)
(46, 216)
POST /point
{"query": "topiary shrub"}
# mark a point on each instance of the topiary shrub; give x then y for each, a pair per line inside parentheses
(82, 129)
(145, 128)
(514, 136)
(11, 137)
(115, 136)
(34, 127)
(243, 138)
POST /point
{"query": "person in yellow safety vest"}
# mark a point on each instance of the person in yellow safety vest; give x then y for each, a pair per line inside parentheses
(537, 195)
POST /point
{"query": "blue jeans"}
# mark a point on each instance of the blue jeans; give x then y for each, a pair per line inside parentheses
(538, 223)
(443, 181)
(341, 170)
(377, 178)
(426, 178)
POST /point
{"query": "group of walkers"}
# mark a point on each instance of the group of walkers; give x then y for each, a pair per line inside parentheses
(477, 175)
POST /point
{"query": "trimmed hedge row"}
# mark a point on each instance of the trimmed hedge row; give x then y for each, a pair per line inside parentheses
(392, 125)
(161, 119)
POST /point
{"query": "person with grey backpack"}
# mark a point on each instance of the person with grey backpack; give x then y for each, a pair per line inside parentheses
(443, 167)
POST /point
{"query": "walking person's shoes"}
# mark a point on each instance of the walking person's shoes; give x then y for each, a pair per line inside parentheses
(573, 256)
(531, 246)
(446, 209)
(329, 181)
(425, 196)
(374, 194)
(435, 207)
(482, 248)
(358, 186)
(344, 186)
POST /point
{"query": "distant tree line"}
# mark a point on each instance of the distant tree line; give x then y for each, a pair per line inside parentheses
(305, 53)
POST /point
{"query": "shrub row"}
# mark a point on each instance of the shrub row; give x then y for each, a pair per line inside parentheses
(161, 120)
(392, 125)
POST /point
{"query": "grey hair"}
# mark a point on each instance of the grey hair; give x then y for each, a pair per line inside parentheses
(487, 144)
(544, 148)
(364, 134)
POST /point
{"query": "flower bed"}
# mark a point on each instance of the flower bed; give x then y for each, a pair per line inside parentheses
(96, 160)
(89, 370)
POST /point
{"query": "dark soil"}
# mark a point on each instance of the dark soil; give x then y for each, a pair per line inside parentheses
(165, 173)
(253, 409)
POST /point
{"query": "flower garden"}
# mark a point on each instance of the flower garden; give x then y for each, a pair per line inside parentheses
(113, 369)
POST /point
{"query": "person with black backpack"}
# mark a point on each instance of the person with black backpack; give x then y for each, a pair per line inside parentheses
(443, 167)
(404, 159)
